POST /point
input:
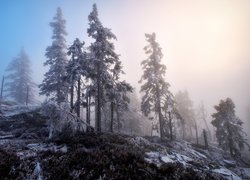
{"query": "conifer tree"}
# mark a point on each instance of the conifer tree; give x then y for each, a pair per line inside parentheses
(155, 88)
(76, 68)
(116, 94)
(169, 113)
(229, 132)
(19, 85)
(54, 84)
(103, 60)
(119, 101)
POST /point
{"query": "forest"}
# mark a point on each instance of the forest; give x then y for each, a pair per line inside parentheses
(86, 121)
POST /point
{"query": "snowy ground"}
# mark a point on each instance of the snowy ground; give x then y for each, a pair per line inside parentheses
(213, 160)
(109, 156)
(161, 158)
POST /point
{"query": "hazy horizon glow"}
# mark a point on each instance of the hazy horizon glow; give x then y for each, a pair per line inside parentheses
(206, 44)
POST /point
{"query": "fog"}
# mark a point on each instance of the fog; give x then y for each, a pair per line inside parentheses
(206, 43)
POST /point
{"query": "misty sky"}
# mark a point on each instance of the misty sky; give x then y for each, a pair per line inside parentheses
(206, 43)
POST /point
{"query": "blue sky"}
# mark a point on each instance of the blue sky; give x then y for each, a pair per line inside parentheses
(206, 44)
(25, 24)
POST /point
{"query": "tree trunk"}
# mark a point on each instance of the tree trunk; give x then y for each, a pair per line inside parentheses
(89, 117)
(190, 130)
(111, 116)
(196, 131)
(152, 129)
(208, 130)
(71, 98)
(98, 106)
(205, 138)
(230, 141)
(159, 110)
(170, 126)
(27, 95)
(51, 129)
(87, 111)
(78, 97)
(183, 130)
(118, 119)
(88, 100)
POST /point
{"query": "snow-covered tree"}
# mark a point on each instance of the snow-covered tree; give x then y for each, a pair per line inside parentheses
(54, 84)
(116, 92)
(184, 105)
(19, 85)
(170, 113)
(76, 68)
(118, 101)
(155, 89)
(229, 132)
(103, 60)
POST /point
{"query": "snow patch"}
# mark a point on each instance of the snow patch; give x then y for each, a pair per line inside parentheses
(182, 158)
(226, 173)
(243, 172)
(48, 147)
(153, 157)
(246, 172)
(166, 159)
(26, 154)
(229, 162)
(10, 136)
(159, 158)
(197, 154)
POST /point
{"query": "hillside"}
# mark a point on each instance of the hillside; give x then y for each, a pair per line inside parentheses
(27, 153)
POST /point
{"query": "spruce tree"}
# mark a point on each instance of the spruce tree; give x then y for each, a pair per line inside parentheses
(229, 132)
(19, 85)
(155, 88)
(119, 101)
(54, 84)
(103, 60)
(76, 69)
(169, 114)
(116, 94)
